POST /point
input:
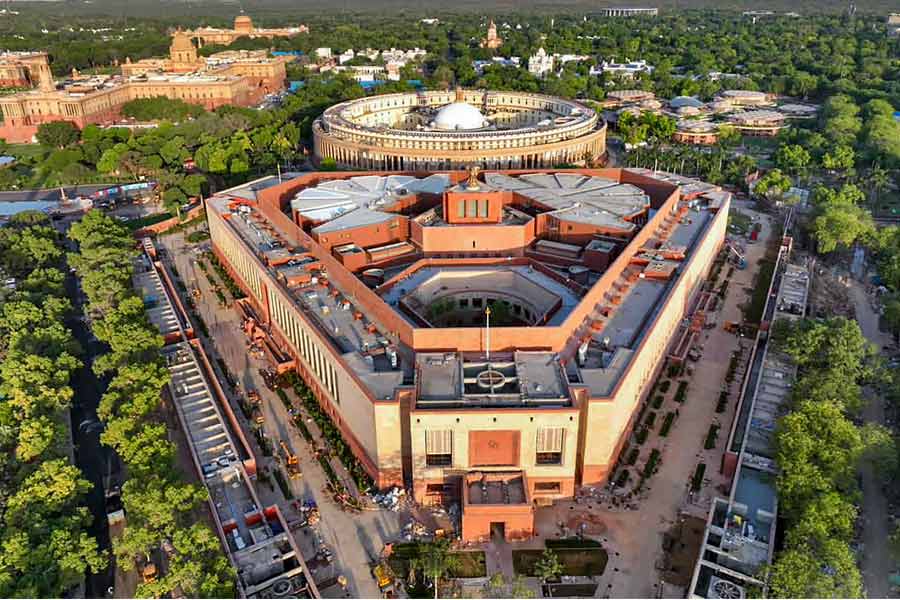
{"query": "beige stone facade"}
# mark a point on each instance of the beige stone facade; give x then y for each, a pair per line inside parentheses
(395, 132)
(243, 27)
(459, 412)
(235, 79)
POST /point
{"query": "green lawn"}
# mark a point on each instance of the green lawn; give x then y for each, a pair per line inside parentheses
(135, 224)
(584, 562)
(25, 150)
(754, 309)
(739, 221)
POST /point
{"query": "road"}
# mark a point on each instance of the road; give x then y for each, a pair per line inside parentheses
(355, 539)
(90, 456)
(52, 195)
(876, 559)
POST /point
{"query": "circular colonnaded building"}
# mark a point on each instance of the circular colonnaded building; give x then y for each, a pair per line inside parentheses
(449, 130)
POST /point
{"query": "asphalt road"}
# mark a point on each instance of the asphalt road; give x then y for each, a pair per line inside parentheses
(90, 455)
(51, 195)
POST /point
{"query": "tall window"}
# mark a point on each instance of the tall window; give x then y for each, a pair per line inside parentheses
(472, 208)
(550, 445)
(461, 208)
(439, 448)
(483, 209)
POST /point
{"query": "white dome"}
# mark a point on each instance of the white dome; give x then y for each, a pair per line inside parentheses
(459, 116)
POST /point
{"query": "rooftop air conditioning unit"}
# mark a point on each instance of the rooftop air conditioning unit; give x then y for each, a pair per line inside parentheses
(281, 588)
(725, 590)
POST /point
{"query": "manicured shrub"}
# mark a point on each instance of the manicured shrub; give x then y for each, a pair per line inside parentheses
(723, 402)
(664, 386)
(681, 392)
(622, 479)
(697, 479)
(667, 424)
(633, 456)
(652, 464)
(711, 436)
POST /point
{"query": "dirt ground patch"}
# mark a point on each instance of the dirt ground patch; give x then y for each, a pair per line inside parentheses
(681, 544)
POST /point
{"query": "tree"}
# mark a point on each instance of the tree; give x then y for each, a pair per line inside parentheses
(880, 450)
(817, 448)
(828, 516)
(57, 134)
(830, 572)
(728, 136)
(436, 560)
(772, 185)
(840, 225)
(792, 158)
(548, 567)
(840, 158)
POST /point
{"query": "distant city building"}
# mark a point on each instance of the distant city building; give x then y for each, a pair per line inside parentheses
(500, 61)
(745, 98)
(627, 69)
(696, 132)
(762, 123)
(241, 78)
(629, 12)
(243, 27)
(443, 130)
(492, 41)
(25, 69)
(893, 24)
(346, 56)
(540, 63)
(629, 96)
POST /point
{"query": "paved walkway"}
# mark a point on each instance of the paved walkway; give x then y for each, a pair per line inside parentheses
(633, 538)
(876, 557)
(355, 539)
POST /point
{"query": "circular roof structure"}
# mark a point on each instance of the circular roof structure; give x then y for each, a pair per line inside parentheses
(682, 101)
(459, 116)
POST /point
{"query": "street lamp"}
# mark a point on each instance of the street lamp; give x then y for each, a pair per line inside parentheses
(487, 335)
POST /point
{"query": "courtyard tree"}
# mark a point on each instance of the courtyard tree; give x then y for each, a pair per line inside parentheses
(436, 561)
(549, 567)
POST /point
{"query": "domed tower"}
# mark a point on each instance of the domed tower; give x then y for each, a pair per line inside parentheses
(182, 51)
(243, 24)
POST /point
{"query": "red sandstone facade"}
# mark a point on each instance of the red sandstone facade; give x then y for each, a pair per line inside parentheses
(397, 432)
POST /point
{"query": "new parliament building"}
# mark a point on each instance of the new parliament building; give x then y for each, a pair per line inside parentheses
(483, 337)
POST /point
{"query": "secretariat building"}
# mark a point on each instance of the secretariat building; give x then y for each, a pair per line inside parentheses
(484, 337)
(448, 130)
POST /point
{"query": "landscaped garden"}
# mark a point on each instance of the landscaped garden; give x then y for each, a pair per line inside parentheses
(585, 558)
(464, 563)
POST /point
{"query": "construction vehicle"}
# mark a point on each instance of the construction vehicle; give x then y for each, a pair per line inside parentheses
(384, 576)
(256, 415)
(291, 462)
(737, 257)
(148, 571)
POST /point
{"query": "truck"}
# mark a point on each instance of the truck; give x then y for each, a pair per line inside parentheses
(384, 576)
(290, 461)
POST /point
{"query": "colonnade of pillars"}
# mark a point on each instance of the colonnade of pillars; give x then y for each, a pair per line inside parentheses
(365, 159)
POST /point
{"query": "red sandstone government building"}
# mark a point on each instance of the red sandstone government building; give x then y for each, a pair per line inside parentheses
(485, 338)
(238, 78)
